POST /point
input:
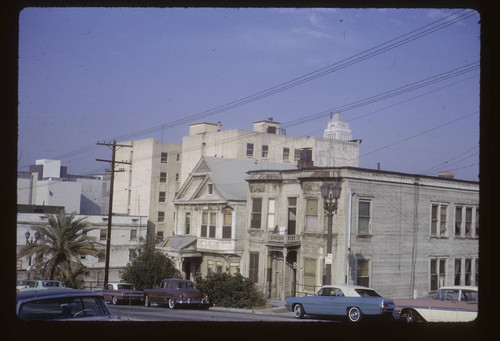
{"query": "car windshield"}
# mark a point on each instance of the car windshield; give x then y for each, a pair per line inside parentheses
(183, 285)
(367, 292)
(51, 284)
(125, 286)
(61, 308)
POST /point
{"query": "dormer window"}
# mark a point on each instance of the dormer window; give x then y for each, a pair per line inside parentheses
(210, 189)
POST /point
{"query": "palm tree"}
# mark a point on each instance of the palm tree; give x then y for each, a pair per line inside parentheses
(62, 241)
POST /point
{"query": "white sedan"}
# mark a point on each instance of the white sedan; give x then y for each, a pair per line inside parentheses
(451, 304)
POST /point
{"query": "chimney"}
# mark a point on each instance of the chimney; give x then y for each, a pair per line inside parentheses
(305, 159)
(446, 175)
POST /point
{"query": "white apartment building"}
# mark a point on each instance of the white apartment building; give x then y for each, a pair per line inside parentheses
(264, 143)
(126, 232)
(148, 185)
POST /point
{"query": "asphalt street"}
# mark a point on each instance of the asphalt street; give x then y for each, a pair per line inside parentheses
(213, 314)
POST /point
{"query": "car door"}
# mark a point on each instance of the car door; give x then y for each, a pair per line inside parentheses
(316, 304)
(156, 294)
(339, 302)
(445, 309)
(467, 306)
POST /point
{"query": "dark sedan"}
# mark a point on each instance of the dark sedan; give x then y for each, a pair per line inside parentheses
(62, 305)
(175, 292)
(121, 293)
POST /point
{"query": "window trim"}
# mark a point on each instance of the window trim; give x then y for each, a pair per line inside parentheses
(439, 273)
(439, 223)
(368, 233)
(253, 213)
(250, 149)
(164, 157)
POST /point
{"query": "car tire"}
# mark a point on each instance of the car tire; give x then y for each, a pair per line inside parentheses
(411, 316)
(354, 314)
(147, 303)
(298, 311)
(114, 300)
(171, 303)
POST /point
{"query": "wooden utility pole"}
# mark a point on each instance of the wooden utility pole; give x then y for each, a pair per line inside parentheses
(112, 170)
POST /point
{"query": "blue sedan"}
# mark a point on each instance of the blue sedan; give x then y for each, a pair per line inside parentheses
(353, 302)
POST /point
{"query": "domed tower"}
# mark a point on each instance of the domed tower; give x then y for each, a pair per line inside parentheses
(338, 128)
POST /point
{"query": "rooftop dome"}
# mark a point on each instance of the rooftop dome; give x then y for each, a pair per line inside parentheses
(338, 128)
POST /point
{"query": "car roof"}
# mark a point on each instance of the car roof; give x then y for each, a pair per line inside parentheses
(60, 292)
(346, 287)
(175, 280)
(459, 287)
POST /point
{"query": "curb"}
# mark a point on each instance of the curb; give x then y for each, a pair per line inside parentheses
(268, 311)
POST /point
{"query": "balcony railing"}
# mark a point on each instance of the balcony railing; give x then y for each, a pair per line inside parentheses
(283, 239)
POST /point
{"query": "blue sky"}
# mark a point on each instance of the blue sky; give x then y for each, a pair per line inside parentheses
(94, 74)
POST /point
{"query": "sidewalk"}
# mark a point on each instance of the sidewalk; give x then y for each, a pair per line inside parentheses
(273, 307)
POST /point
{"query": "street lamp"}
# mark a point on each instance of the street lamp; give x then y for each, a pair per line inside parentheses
(29, 242)
(331, 195)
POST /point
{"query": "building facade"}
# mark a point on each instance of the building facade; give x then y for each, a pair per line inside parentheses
(147, 185)
(265, 143)
(210, 211)
(404, 235)
(158, 169)
(126, 233)
(49, 184)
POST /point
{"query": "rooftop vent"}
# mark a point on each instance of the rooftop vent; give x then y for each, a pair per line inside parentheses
(446, 175)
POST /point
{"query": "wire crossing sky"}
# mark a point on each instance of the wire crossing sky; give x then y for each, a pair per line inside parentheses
(403, 78)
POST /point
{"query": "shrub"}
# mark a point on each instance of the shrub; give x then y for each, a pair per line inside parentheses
(148, 267)
(228, 290)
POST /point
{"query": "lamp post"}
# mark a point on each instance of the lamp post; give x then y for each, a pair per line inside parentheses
(29, 242)
(331, 195)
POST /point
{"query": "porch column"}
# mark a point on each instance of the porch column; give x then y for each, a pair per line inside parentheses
(283, 276)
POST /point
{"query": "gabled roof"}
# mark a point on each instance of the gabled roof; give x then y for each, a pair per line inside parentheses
(227, 175)
(179, 242)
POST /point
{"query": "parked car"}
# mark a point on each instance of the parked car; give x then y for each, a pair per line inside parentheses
(38, 284)
(353, 302)
(175, 292)
(62, 304)
(121, 293)
(450, 304)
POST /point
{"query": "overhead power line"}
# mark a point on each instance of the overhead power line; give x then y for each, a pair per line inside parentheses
(369, 53)
(388, 94)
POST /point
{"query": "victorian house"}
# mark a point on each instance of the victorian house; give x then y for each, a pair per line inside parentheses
(210, 216)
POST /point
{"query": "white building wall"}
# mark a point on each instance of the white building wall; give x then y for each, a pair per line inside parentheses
(58, 193)
(137, 188)
(121, 243)
(233, 144)
(51, 168)
(394, 220)
(24, 189)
